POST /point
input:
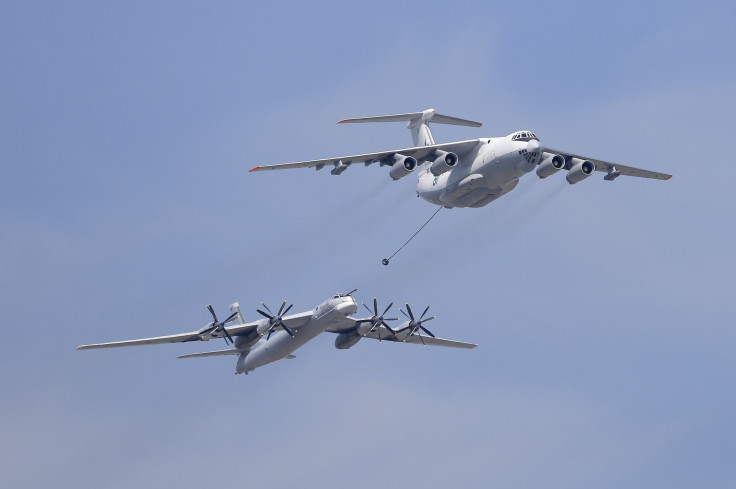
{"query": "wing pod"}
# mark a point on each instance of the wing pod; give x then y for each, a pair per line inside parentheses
(443, 162)
(347, 339)
(550, 165)
(401, 165)
(580, 170)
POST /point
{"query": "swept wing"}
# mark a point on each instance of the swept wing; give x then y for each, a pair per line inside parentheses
(385, 335)
(460, 148)
(608, 167)
(293, 321)
(415, 339)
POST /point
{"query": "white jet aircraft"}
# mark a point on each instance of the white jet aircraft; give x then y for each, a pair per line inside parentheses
(284, 334)
(474, 172)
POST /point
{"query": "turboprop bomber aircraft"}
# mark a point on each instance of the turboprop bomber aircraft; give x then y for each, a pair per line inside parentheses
(474, 172)
(277, 336)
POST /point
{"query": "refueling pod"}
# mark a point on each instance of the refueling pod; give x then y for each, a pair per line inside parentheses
(443, 162)
(581, 169)
(402, 166)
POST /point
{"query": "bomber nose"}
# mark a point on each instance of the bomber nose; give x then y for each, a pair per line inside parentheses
(348, 307)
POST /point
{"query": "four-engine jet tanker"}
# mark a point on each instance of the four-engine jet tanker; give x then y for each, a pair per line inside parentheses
(473, 172)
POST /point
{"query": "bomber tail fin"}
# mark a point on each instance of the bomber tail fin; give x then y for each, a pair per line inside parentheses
(418, 123)
(235, 307)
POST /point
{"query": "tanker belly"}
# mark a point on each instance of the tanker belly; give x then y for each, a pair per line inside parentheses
(487, 183)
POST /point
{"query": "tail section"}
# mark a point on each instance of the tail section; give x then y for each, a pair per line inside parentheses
(418, 123)
(235, 307)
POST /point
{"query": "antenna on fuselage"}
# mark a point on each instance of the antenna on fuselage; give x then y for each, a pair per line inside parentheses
(386, 261)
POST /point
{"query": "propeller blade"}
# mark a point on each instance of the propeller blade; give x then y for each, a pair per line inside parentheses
(425, 312)
(287, 310)
(389, 307)
(428, 319)
(212, 311)
(269, 333)
(231, 317)
(286, 329)
(427, 331)
(227, 335)
(408, 308)
(402, 312)
(382, 323)
(422, 338)
(375, 306)
(269, 310)
(264, 314)
(351, 292)
(281, 308)
(366, 307)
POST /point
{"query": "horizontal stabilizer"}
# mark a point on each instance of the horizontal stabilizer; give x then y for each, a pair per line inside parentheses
(229, 351)
(416, 117)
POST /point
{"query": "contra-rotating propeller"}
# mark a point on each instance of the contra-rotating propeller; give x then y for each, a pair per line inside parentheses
(220, 325)
(379, 320)
(275, 320)
(416, 324)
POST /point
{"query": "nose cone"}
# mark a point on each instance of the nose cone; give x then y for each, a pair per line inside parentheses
(532, 146)
(348, 306)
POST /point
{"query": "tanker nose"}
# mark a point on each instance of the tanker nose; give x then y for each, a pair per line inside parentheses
(532, 146)
(531, 156)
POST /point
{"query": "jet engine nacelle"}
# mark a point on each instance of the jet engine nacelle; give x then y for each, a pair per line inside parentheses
(402, 166)
(443, 162)
(581, 169)
(550, 165)
(346, 340)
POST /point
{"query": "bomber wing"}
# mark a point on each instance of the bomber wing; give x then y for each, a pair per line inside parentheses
(613, 169)
(381, 333)
(460, 148)
(385, 335)
(292, 321)
(174, 338)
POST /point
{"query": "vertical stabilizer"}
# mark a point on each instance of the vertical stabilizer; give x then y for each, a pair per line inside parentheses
(235, 307)
(418, 123)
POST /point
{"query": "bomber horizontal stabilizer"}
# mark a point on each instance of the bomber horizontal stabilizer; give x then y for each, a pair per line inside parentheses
(229, 351)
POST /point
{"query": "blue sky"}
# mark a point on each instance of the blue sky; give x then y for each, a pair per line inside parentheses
(604, 311)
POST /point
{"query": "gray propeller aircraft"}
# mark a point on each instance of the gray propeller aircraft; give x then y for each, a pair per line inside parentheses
(276, 336)
(470, 173)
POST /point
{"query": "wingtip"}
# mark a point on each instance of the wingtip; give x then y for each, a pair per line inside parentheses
(344, 120)
(254, 168)
(668, 177)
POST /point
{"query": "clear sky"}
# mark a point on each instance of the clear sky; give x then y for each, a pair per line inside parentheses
(603, 311)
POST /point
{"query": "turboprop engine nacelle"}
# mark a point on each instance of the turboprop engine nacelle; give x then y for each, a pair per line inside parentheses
(346, 340)
(242, 342)
(550, 165)
(581, 169)
(402, 166)
(443, 162)
(263, 326)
